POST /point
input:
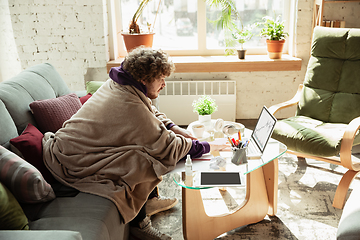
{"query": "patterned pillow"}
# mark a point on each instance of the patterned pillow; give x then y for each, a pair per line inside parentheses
(12, 216)
(24, 181)
(50, 114)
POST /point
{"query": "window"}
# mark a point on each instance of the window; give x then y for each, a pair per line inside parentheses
(184, 27)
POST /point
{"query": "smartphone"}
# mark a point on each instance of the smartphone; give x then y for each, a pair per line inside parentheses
(219, 179)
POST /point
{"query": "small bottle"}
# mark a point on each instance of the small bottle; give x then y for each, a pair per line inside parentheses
(188, 166)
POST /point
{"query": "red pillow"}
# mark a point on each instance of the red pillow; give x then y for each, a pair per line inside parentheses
(50, 114)
(29, 143)
(85, 98)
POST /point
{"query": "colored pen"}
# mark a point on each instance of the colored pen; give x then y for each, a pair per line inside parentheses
(233, 140)
(231, 143)
(239, 133)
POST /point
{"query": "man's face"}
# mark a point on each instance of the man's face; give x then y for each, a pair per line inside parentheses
(154, 88)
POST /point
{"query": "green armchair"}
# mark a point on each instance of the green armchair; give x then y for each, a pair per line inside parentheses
(325, 126)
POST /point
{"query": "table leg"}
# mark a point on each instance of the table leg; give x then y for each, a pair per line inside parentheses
(271, 175)
(199, 226)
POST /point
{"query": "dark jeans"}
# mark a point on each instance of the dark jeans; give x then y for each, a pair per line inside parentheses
(142, 214)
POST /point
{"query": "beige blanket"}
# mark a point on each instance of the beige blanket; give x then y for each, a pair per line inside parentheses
(115, 146)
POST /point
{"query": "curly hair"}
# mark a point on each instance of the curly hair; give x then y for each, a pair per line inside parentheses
(148, 64)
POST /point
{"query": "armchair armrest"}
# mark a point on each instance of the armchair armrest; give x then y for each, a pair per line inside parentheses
(347, 143)
(273, 109)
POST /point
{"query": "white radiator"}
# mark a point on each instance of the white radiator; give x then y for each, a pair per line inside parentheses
(177, 97)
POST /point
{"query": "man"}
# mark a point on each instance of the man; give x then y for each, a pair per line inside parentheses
(118, 145)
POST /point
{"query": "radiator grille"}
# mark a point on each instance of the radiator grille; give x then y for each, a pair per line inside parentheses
(176, 99)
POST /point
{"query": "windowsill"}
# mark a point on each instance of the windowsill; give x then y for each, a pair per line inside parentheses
(251, 63)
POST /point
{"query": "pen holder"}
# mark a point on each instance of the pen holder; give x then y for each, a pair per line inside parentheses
(239, 156)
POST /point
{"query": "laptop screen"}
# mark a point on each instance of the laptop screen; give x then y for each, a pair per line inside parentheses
(263, 129)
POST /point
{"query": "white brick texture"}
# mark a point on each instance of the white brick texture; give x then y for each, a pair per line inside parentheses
(68, 34)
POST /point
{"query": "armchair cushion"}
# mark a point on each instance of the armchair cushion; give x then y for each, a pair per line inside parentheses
(332, 80)
(311, 136)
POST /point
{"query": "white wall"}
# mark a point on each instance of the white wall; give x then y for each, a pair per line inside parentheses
(9, 57)
(72, 35)
(348, 12)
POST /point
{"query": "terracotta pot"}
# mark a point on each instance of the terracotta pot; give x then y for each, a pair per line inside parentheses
(135, 40)
(241, 53)
(275, 48)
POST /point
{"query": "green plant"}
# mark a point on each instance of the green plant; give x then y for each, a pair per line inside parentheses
(273, 29)
(226, 21)
(205, 105)
(134, 27)
(244, 34)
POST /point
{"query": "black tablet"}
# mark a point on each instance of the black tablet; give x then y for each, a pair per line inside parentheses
(219, 179)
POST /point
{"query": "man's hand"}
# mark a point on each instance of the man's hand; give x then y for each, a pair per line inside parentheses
(178, 130)
(220, 144)
(214, 146)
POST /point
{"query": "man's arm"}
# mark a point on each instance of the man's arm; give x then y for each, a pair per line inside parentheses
(163, 118)
(170, 125)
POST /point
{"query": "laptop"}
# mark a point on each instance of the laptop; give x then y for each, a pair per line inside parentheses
(260, 136)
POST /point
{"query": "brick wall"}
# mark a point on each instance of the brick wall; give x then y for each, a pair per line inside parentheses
(70, 34)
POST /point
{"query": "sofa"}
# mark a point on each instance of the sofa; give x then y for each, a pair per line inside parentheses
(38, 206)
(349, 225)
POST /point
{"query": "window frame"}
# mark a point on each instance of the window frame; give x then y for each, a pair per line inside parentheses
(117, 48)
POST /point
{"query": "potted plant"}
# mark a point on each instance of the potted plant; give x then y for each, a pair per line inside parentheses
(204, 107)
(273, 30)
(243, 35)
(135, 37)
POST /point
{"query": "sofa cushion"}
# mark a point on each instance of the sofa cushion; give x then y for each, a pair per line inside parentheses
(12, 216)
(50, 114)
(29, 143)
(9, 130)
(93, 216)
(40, 235)
(38, 82)
(23, 179)
(348, 228)
(93, 86)
(85, 98)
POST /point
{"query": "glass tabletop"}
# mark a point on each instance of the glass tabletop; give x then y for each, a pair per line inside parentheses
(273, 150)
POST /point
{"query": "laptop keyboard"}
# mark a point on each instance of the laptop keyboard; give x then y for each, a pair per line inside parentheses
(252, 149)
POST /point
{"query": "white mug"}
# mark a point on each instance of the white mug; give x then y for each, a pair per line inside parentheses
(198, 129)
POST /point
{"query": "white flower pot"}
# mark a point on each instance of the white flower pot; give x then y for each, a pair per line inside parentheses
(204, 118)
